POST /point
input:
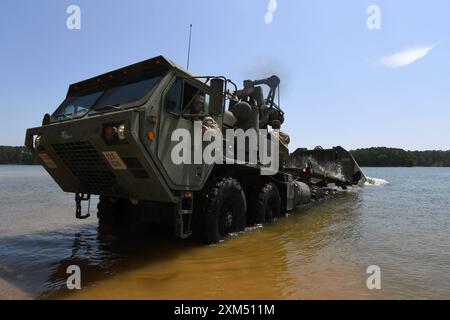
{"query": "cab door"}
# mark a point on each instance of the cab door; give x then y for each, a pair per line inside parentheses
(176, 114)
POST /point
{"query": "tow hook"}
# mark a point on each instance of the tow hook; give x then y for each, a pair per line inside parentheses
(82, 197)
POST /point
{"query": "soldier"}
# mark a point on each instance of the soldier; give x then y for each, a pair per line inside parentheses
(198, 107)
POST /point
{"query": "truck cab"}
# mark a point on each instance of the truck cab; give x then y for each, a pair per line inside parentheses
(111, 135)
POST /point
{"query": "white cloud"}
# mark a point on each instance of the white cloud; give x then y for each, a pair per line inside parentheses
(406, 57)
(271, 8)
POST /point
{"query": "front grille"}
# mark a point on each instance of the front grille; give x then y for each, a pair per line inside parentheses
(87, 165)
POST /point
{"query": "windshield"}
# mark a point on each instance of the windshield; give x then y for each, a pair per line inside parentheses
(126, 93)
(75, 107)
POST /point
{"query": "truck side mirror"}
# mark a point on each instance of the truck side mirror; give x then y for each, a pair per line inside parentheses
(217, 100)
(46, 120)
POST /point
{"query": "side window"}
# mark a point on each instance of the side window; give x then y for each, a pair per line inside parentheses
(195, 101)
(187, 99)
(173, 100)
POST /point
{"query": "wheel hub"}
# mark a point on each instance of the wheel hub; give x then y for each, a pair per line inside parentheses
(228, 219)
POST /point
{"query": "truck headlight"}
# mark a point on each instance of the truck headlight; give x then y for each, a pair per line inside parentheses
(114, 133)
(121, 132)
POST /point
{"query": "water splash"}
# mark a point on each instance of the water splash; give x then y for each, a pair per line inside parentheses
(331, 169)
(375, 182)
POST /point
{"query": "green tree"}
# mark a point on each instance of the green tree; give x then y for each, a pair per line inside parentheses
(395, 157)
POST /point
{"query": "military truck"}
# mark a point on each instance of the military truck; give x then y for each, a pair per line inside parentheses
(112, 136)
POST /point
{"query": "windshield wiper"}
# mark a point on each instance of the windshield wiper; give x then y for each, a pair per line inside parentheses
(65, 115)
(108, 106)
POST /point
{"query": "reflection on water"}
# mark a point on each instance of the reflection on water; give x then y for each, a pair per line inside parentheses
(289, 259)
(320, 251)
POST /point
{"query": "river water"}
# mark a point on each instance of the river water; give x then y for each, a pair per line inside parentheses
(399, 222)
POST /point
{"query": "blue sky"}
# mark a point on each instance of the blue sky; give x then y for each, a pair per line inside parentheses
(342, 84)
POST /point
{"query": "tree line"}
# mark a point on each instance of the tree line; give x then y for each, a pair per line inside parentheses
(394, 157)
(368, 157)
(16, 155)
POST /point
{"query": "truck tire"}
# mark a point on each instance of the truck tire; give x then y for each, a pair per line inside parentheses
(109, 212)
(266, 204)
(105, 210)
(224, 210)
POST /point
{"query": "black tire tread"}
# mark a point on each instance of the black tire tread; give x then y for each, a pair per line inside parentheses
(261, 195)
(209, 198)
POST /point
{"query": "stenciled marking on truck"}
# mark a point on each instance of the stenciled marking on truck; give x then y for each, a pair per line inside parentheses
(114, 160)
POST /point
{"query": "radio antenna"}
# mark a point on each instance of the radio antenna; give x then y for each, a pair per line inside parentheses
(189, 46)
